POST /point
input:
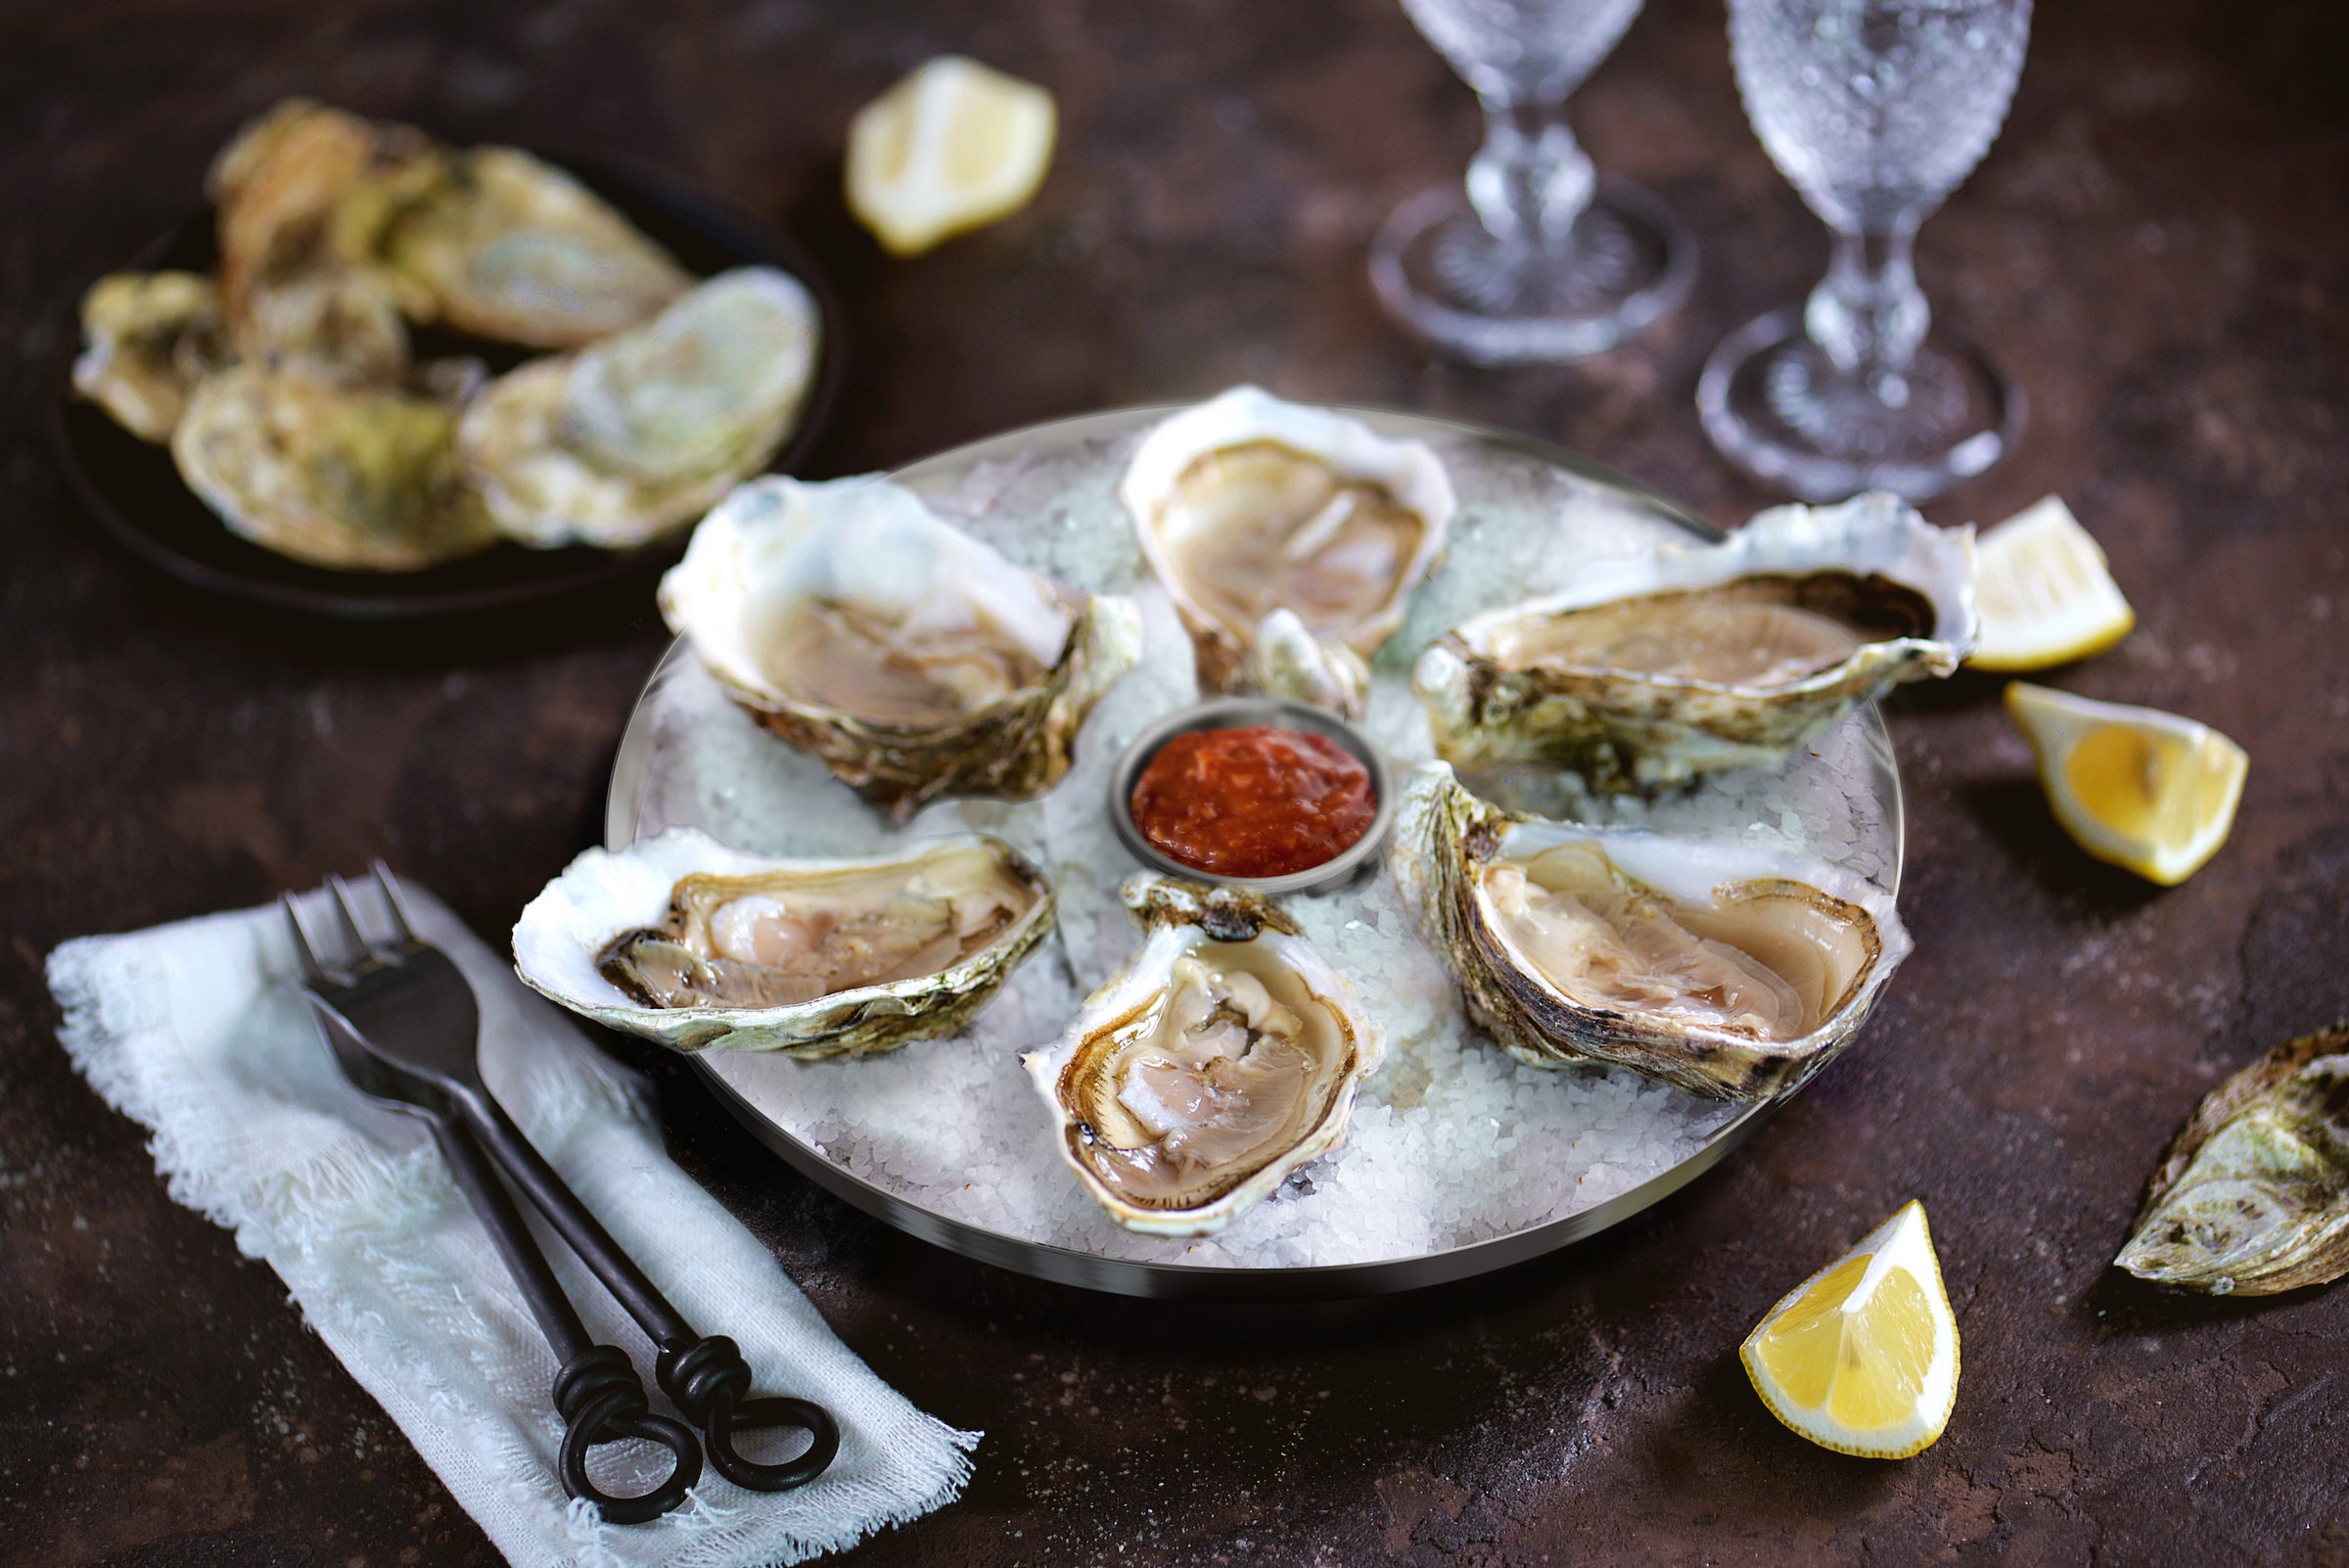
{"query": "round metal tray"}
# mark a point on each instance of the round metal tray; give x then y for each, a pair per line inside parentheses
(639, 759)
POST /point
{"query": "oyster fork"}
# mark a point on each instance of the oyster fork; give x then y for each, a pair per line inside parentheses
(401, 1016)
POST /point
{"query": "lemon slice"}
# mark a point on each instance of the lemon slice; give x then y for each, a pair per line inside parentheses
(2135, 786)
(1861, 1357)
(2044, 594)
(953, 147)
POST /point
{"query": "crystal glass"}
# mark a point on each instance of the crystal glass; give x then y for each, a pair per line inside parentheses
(1874, 110)
(1535, 259)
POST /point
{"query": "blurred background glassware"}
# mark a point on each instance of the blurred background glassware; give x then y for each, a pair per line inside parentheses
(1535, 259)
(1874, 110)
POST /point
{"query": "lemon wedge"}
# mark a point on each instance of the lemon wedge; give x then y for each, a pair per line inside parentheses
(1861, 1357)
(2135, 786)
(2044, 591)
(954, 145)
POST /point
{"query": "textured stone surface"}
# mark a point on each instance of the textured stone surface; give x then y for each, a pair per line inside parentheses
(2157, 245)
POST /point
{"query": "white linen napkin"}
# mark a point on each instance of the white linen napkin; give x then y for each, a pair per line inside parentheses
(195, 1030)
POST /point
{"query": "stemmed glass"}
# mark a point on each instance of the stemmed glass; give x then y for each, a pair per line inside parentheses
(1874, 110)
(1535, 259)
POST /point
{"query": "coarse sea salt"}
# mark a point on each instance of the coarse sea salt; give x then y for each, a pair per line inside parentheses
(1453, 1142)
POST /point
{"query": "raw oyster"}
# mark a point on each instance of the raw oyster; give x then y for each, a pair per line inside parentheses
(298, 277)
(334, 476)
(623, 441)
(1652, 671)
(1225, 1055)
(2253, 1197)
(506, 246)
(1246, 505)
(912, 659)
(1728, 971)
(149, 338)
(683, 940)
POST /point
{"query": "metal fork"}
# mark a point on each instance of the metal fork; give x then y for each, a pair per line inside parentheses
(401, 1016)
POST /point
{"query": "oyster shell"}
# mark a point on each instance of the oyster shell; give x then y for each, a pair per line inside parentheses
(149, 338)
(298, 277)
(1225, 1054)
(1246, 505)
(332, 474)
(912, 659)
(626, 441)
(2253, 1197)
(683, 940)
(1288, 661)
(1728, 971)
(1652, 671)
(506, 246)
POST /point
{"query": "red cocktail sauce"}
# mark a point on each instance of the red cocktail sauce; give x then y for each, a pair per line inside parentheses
(1259, 801)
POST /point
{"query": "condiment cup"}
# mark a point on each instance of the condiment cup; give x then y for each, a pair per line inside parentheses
(1239, 713)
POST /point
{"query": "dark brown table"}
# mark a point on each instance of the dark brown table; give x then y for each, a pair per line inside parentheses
(2157, 245)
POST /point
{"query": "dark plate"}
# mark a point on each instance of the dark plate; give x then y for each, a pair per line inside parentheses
(134, 491)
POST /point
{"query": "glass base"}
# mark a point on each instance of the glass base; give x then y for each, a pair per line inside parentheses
(1439, 273)
(1777, 407)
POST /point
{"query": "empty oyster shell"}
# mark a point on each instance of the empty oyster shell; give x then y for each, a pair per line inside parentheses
(912, 659)
(509, 246)
(336, 476)
(623, 441)
(1652, 671)
(1728, 971)
(683, 940)
(2253, 1197)
(149, 338)
(1225, 1054)
(1246, 505)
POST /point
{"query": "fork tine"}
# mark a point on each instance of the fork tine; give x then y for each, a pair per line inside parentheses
(348, 920)
(310, 969)
(394, 900)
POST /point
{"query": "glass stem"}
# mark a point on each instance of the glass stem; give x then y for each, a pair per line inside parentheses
(1530, 180)
(1869, 315)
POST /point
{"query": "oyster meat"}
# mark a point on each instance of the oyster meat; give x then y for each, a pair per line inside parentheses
(626, 441)
(912, 659)
(148, 339)
(1246, 505)
(699, 947)
(336, 476)
(2253, 1197)
(1653, 671)
(506, 246)
(1224, 1056)
(1728, 971)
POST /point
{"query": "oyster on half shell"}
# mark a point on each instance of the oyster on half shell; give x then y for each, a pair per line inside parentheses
(1225, 1055)
(1729, 971)
(2253, 1197)
(683, 940)
(1246, 505)
(1652, 671)
(909, 657)
(639, 434)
